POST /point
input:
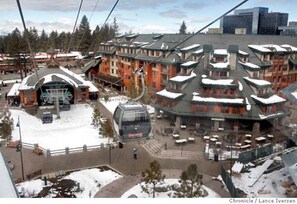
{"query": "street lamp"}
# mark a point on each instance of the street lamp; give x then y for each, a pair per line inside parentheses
(20, 148)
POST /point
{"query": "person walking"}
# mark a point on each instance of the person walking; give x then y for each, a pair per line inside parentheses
(135, 153)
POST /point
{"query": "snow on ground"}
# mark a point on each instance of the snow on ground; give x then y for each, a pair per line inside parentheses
(136, 190)
(113, 102)
(267, 182)
(90, 180)
(72, 130)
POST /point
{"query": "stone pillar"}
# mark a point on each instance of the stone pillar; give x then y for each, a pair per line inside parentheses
(67, 150)
(233, 49)
(85, 149)
(207, 49)
(216, 125)
(48, 153)
(177, 123)
(256, 128)
(235, 128)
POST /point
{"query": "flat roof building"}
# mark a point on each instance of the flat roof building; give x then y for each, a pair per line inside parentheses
(255, 20)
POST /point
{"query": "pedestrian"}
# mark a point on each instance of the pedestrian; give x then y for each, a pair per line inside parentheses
(135, 153)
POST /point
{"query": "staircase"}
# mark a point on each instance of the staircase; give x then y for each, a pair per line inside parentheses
(156, 149)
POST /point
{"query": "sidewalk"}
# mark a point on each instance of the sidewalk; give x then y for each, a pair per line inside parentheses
(118, 187)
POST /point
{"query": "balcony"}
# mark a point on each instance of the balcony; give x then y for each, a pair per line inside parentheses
(164, 81)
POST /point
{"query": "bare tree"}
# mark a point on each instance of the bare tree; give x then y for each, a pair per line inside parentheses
(151, 177)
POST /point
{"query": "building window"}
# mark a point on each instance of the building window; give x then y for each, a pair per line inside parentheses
(225, 109)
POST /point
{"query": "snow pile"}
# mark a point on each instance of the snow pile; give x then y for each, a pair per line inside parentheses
(90, 181)
(136, 190)
(72, 130)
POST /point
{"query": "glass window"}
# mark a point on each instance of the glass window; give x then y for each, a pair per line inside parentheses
(117, 115)
(135, 116)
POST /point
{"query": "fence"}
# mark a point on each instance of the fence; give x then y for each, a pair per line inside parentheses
(66, 150)
(251, 155)
(228, 182)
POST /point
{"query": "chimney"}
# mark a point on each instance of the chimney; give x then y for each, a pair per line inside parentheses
(207, 49)
(233, 50)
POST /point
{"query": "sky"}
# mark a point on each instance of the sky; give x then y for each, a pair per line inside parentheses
(145, 16)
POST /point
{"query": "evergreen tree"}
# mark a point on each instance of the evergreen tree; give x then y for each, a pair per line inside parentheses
(183, 28)
(151, 177)
(33, 39)
(115, 28)
(190, 184)
(84, 35)
(6, 125)
(43, 47)
(107, 130)
(96, 116)
(53, 39)
(15, 44)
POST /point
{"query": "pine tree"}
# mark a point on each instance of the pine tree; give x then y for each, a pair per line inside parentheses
(151, 177)
(183, 28)
(83, 42)
(96, 116)
(6, 125)
(107, 130)
(115, 28)
(190, 184)
(43, 46)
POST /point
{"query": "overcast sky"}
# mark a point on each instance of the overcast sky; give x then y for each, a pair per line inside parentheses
(138, 16)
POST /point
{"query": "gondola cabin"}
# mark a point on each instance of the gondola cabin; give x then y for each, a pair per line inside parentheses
(131, 121)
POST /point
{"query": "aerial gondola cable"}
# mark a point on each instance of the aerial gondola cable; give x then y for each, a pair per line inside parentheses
(131, 120)
(74, 27)
(112, 9)
(90, 18)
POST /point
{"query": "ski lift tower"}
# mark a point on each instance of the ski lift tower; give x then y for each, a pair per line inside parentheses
(56, 95)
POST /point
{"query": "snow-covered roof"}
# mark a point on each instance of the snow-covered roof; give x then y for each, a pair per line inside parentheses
(271, 100)
(217, 81)
(92, 87)
(183, 78)
(169, 94)
(248, 106)
(250, 65)
(259, 82)
(237, 167)
(271, 48)
(294, 94)
(41, 57)
(259, 48)
(218, 100)
(220, 65)
(198, 51)
(242, 52)
(289, 47)
(7, 187)
(190, 47)
(189, 63)
(14, 91)
(47, 74)
(220, 52)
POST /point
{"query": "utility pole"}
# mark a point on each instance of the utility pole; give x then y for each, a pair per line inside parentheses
(20, 148)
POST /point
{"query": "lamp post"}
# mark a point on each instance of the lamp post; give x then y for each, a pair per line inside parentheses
(20, 148)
